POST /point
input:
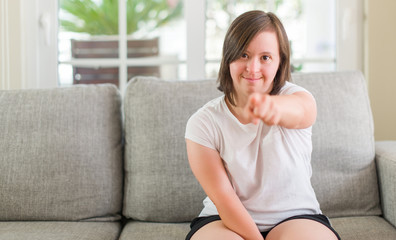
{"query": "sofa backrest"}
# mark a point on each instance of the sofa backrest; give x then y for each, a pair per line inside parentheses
(344, 172)
(61, 154)
(159, 185)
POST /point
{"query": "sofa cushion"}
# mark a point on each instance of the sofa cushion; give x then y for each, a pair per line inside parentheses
(159, 185)
(349, 228)
(344, 172)
(59, 230)
(61, 153)
(358, 228)
(154, 231)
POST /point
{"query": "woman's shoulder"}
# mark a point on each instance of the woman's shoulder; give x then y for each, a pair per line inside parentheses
(201, 126)
(207, 113)
(210, 108)
(214, 103)
(290, 88)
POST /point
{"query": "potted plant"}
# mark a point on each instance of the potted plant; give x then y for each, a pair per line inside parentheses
(99, 19)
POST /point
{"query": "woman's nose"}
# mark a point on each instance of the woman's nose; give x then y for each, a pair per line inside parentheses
(253, 65)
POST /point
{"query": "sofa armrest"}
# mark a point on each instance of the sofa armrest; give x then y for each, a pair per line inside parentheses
(385, 153)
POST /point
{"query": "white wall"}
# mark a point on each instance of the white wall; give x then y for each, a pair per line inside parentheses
(381, 66)
(23, 45)
(10, 42)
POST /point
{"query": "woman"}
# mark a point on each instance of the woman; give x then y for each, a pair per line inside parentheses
(251, 148)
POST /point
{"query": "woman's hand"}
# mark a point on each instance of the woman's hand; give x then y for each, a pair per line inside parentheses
(297, 110)
(262, 107)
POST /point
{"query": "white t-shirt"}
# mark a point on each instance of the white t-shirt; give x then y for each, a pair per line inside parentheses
(269, 166)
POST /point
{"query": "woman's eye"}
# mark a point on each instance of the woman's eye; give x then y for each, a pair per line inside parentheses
(244, 55)
(266, 58)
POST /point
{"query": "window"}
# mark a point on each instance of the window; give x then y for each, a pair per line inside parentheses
(189, 47)
(310, 26)
(109, 41)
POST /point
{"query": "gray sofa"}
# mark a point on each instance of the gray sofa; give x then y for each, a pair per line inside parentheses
(87, 162)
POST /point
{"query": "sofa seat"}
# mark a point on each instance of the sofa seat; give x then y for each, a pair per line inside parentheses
(154, 231)
(59, 230)
(365, 227)
(349, 228)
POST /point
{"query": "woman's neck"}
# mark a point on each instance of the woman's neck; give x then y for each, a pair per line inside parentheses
(238, 111)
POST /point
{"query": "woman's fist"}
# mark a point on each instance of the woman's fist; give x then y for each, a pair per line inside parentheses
(262, 107)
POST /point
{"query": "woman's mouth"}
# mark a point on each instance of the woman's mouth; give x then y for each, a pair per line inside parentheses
(252, 79)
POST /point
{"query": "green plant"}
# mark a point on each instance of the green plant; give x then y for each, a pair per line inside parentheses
(100, 17)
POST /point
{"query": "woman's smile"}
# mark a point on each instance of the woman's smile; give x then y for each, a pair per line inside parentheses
(252, 79)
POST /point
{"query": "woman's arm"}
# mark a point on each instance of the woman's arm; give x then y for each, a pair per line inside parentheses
(208, 168)
(297, 110)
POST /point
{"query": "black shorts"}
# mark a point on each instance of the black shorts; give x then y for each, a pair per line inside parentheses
(199, 222)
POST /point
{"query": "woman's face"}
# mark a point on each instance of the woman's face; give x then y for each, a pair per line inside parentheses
(255, 70)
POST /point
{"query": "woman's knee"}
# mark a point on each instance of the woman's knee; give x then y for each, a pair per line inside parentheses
(215, 230)
(301, 229)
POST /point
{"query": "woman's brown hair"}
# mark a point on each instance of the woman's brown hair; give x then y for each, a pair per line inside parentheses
(242, 30)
